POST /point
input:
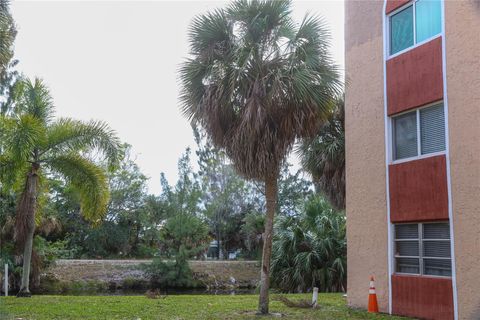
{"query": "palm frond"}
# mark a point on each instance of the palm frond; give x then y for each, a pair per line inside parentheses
(34, 99)
(67, 135)
(324, 157)
(22, 135)
(86, 178)
(310, 249)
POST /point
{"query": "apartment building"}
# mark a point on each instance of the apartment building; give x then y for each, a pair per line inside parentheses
(413, 156)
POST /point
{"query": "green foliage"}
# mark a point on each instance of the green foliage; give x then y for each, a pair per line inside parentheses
(252, 229)
(309, 250)
(183, 233)
(31, 136)
(134, 284)
(34, 147)
(184, 236)
(170, 274)
(130, 226)
(8, 75)
(324, 156)
(49, 251)
(226, 197)
(293, 189)
(185, 195)
(191, 307)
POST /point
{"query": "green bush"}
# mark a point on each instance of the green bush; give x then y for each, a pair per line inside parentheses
(310, 250)
(170, 274)
(49, 251)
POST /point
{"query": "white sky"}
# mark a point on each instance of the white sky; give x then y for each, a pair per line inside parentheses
(116, 61)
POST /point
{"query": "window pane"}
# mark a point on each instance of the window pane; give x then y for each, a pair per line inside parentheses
(405, 135)
(432, 129)
(406, 231)
(407, 265)
(436, 249)
(428, 19)
(436, 231)
(401, 30)
(407, 248)
(437, 267)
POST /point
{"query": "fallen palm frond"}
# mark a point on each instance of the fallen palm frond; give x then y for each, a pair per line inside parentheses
(295, 304)
(154, 294)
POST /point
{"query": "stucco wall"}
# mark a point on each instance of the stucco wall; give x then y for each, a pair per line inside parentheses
(365, 157)
(463, 80)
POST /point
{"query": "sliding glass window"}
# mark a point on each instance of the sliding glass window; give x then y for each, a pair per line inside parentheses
(417, 22)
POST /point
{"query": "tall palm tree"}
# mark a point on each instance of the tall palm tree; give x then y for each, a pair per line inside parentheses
(324, 157)
(35, 145)
(256, 81)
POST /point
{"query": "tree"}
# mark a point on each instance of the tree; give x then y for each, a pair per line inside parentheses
(131, 224)
(8, 33)
(324, 157)
(8, 76)
(309, 250)
(226, 197)
(183, 232)
(293, 189)
(126, 208)
(35, 145)
(256, 82)
(185, 195)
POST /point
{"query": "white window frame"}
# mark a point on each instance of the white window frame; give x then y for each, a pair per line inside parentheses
(419, 140)
(415, 44)
(421, 257)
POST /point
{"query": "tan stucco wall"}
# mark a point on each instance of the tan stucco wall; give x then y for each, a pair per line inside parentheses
(463, 81)
(365, 157)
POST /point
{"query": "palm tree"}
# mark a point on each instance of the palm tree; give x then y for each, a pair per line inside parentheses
(324, 157)
(256, 82)
(309, 250)
(35, 145)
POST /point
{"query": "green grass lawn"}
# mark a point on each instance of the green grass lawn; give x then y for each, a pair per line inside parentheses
(333, 307)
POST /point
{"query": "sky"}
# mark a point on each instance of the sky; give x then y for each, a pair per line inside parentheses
(117, 61)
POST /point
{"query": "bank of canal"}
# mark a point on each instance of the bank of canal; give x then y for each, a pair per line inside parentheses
(127, 277)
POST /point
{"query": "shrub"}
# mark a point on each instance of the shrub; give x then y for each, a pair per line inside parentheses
(170, 274)
(309, 250)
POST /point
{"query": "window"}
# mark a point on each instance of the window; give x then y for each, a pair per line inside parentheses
(423, 248)
(417, 22)
(419, 132)
(401, 28)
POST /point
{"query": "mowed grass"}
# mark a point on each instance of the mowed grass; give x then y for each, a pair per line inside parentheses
(332, 307)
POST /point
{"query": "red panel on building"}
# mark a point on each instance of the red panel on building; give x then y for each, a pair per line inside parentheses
(422, 297)
(394, 4)
(415, 78)
(418, 190)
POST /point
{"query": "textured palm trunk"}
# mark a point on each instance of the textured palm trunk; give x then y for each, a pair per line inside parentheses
(271, 197)
(26, 213)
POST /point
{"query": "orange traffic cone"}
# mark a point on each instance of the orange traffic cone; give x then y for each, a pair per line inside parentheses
(372, 297)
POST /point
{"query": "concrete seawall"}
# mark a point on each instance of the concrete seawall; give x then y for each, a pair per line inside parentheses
(125, 274)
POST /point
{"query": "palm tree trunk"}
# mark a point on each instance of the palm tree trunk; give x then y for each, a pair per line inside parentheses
(27, 258)
(271, 189)
(26, 226)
